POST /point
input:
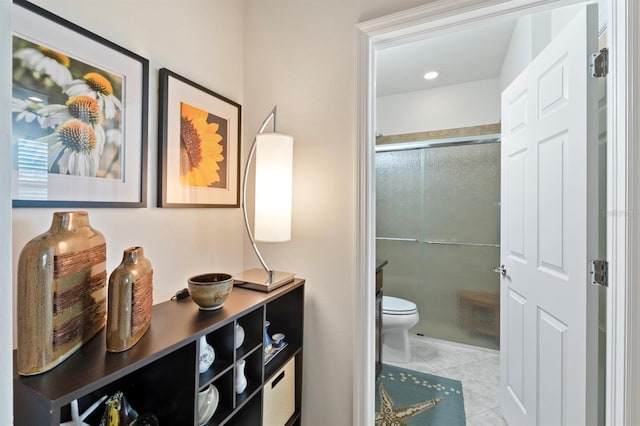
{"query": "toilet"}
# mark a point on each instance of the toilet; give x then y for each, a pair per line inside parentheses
(398, 316)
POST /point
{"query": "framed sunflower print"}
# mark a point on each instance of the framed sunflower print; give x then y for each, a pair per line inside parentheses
(79, 116)
(199, 145)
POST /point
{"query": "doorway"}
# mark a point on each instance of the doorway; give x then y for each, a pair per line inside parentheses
(436, 20)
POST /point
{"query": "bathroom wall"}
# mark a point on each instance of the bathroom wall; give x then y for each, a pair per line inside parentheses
(519, 54)
(533, 32)
(468, 104)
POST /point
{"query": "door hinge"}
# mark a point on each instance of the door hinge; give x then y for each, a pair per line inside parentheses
(599, 63)
(599, 272)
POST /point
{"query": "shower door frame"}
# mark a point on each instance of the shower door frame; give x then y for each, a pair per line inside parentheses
(427, 144)
(623, 184)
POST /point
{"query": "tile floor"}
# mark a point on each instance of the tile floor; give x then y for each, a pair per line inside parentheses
(477, 368)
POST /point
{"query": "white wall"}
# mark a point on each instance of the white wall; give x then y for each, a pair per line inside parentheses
(301, 55)
(461, 105)
(532, 34)
(203, 42)
(518, 54)
(6, 358)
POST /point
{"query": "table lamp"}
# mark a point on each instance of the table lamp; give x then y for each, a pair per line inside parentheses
(273, 192)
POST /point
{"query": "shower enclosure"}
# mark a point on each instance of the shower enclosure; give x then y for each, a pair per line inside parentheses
(438, 226)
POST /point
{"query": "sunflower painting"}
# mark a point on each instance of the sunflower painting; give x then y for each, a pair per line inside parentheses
(198, 145)
(203, 140)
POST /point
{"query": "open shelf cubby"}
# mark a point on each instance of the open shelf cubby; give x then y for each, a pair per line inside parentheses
(159, 375)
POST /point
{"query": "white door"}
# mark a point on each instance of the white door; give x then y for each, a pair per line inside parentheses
(548, 362)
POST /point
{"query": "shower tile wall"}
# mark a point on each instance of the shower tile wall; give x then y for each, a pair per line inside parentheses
(447, 194)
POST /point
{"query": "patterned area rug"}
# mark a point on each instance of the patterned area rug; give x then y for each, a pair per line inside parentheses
(411, 398)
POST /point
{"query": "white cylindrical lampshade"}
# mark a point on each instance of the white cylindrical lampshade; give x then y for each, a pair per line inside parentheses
(274, 182)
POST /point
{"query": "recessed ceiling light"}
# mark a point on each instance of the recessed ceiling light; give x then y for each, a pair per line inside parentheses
(431, 75)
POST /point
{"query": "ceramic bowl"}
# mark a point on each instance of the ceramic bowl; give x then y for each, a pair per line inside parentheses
(209, 291)
(207, 403)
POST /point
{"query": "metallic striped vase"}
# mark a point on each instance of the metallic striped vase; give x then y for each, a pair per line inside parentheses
(130, 300)
(61, 292)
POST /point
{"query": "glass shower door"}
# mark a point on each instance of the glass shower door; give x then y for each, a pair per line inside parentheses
(437, 223)
(399, 212)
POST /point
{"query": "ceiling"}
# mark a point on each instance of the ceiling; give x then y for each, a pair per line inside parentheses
(459, 57)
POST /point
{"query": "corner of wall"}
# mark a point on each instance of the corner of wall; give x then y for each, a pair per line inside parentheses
(6, 335)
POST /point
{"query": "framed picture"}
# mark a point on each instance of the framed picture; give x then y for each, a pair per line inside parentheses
(199, 145)
(79, 116)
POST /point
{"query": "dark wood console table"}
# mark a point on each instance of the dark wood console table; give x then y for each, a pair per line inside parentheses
(159, 375)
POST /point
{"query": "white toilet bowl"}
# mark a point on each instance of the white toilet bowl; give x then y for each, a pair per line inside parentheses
(398, 316)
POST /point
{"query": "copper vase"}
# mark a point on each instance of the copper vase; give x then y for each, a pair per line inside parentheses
(61, 292)
(130, 300)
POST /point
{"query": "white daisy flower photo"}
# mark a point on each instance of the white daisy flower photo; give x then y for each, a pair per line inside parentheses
(80, 105)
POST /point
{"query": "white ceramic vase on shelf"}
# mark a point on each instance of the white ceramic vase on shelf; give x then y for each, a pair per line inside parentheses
(268, 343)
(239, 335)
(241, 380)
(207, 354)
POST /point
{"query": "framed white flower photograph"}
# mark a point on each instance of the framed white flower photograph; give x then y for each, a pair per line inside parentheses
(79, 115)
(199, 145)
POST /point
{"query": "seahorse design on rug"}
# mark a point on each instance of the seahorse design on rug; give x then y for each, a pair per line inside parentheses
(390, 416)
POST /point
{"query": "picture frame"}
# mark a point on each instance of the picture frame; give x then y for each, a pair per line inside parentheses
(198, 145)
(79, 115)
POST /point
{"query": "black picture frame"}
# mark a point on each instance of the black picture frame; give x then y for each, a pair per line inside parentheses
(209, 177)
(76, 152)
